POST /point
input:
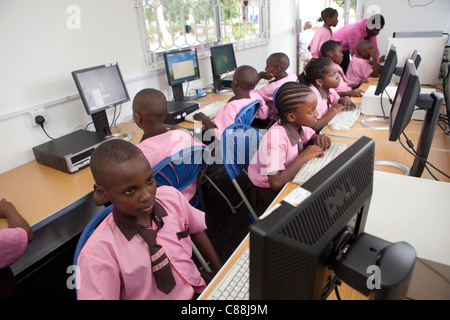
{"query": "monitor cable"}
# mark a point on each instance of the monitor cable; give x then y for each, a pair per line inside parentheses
(424, 161)
(40, 121)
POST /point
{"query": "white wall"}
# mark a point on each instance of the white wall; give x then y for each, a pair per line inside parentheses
(39, 52)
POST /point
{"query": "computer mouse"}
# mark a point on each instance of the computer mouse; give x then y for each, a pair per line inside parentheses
(339, 127)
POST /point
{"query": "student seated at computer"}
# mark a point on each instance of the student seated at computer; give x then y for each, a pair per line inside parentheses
(143, 249)
(157, 143)
(322, 77)
(364, 64)
(275, 71)
(244, 81)
(286, 146)
(13, 242)
(333, 50)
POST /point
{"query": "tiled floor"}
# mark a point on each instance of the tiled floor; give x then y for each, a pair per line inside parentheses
(46, 280)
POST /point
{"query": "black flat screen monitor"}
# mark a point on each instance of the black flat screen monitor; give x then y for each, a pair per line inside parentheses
(407, 97)
(100, 88)
(300, 252)
(181, 66)
(388, 70)
(290, 249)
(223, 59)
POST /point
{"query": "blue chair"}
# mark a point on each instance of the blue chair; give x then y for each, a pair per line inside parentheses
(274, 94)
(87, 232)
(181, 169)
(248, 113)
(238, 145)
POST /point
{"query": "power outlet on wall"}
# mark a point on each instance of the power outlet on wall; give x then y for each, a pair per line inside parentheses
(35, 113)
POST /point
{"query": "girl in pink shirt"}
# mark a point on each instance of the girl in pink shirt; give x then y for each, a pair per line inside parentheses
(333, 50)
(286, 146)
(117, 261)
(322, 77)
(329, 16)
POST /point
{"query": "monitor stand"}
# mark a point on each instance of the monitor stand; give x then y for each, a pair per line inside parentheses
(222, 86)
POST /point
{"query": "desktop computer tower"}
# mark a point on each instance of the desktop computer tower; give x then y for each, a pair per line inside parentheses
(178, 110)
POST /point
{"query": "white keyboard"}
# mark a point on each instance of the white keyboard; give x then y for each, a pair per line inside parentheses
(209, 110)
(236, 283)
(313, 166)
(347, 118)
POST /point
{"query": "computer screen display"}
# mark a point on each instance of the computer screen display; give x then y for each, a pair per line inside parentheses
(223, 59)
(407, 94)
(181, 66)
(292, 250)
(101, 87)
(387, 71)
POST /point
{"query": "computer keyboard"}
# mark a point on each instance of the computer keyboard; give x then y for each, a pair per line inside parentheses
(347, 118)
(236, 283)
(313, 166)
(209, 110)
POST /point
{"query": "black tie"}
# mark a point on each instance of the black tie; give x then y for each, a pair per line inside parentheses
(160, 263)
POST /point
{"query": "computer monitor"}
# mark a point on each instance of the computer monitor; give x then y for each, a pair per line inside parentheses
(300, 252)
(416, 57)
(407, 97)
(181, 66)
(387, 71)
(101, 87)
(223, 60)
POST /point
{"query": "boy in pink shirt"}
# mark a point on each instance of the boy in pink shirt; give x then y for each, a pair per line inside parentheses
(286, 146)
(363, 64)
(13, 242)
(329, 16)
(275, 71)
(142, 250)
(244, 80)
(157, 143)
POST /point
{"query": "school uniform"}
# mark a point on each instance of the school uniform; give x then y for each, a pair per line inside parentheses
(156, 148)
(115, 264)
(358, 70)
(227, 114)
(324, 105)
(266, 92)
(321, 35)
(343, 83)
(278, 148)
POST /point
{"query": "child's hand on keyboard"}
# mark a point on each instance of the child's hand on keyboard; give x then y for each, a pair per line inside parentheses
(322, 141)
(204, 119)
(356, 93)
(347, 103)
(312, 151)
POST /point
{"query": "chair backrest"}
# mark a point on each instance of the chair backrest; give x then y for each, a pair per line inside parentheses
(248, 113)
(274, 94)
(238, 144)
(87, 232)
(180, 169)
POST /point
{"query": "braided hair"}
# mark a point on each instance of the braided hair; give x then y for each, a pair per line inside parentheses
(315, 69)
(327, 13)
(288, 98)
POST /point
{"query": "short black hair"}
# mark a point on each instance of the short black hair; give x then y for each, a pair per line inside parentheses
(329, 45)
(113, 151)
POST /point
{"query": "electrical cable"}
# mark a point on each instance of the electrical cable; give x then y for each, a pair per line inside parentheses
(40, 121)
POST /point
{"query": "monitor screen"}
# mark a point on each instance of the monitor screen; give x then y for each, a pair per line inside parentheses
(181, 66)
(387, 71)
(407, 94)
(223, 59)
(292, 249)
(101, 87)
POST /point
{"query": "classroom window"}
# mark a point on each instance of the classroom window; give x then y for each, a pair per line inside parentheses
(174, 24)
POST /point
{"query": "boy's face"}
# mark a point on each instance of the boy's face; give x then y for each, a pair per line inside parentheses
(131, 188)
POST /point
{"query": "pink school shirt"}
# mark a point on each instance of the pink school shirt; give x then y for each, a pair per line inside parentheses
(321, 35)
(343, 83)
(227, 114)
(13, 242)
(110, 267)
(275, 153)
(358, 70)
(266, 93)
(164, 145)
(322, 104)
(350, 34)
